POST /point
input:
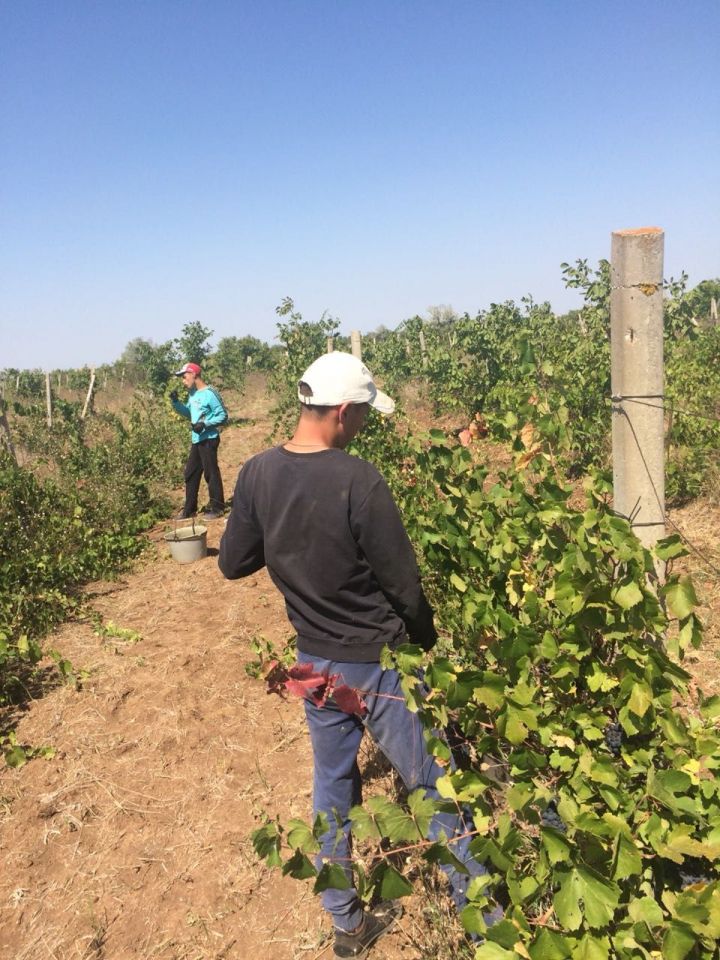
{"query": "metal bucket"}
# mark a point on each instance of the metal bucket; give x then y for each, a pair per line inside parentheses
(187, 544)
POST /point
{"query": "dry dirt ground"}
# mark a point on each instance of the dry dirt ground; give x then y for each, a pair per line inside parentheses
(132, 841)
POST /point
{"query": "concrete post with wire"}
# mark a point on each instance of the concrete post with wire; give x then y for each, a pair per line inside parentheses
(636, 320)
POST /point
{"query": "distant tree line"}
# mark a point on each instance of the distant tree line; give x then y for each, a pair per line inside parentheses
(150, 365)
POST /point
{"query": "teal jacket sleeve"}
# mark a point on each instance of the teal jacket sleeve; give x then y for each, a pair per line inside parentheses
(181, 408)
(213, 411)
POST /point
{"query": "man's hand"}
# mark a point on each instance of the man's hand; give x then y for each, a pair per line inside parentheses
(174, 395)
(199, 426)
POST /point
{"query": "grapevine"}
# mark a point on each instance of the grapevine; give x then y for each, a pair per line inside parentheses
(551, 626)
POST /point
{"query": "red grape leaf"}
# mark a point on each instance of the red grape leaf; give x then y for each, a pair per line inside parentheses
(322, 693)
(349, 700)
(316, 687)
(300, 671)
(275, 677)
(302, 687)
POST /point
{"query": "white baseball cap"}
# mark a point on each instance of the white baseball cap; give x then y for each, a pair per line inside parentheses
(338, 377)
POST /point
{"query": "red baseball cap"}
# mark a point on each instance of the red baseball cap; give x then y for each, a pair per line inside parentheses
(188, 368)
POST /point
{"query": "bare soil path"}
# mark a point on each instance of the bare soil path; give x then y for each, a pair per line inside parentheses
(133, 840)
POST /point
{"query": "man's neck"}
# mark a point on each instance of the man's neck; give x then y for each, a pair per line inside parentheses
(312, 435)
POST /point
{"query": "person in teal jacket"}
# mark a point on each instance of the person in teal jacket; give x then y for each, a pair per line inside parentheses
(206, 412)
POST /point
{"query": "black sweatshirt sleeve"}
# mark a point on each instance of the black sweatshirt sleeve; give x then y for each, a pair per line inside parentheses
(242, 548)
(379, 531)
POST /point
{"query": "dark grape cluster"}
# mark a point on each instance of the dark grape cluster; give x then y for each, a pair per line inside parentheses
(551, 818)
(614, 738)
(459, 745)
(692, 872)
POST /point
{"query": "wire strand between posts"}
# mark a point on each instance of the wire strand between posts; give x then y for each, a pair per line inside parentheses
(640, 399)
(665, 518)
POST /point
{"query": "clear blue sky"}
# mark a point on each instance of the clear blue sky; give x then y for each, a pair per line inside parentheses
(162, 162)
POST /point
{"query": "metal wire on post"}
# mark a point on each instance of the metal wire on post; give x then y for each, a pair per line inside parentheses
(669, 408)
(666, 519)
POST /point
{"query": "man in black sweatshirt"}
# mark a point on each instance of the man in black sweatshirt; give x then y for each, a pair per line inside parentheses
(327, 528)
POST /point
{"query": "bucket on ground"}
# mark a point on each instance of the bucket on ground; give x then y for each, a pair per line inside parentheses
(187, 544)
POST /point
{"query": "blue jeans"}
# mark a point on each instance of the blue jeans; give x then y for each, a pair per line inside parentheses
(336, 738)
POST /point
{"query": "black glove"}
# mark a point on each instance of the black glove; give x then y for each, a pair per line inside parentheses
(199, 426)
(173, 394)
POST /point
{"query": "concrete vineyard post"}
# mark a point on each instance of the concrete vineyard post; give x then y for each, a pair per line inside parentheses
(330, 344)
(88, 398)
(8, 436)
(356, 344)
(48, 397)
(423, 349)
(636, 321)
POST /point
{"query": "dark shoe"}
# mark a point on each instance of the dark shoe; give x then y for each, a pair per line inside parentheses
(375, 924)
(212, 514)
(186, 515)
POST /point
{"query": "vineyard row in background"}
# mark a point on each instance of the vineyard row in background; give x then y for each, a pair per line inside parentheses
(92, 483)
(468, 365)
(558, 658)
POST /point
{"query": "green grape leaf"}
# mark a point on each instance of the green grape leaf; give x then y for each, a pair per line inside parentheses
(300, 837)
(331, 877)
(628, 595)
(299, 867)
(458, 582)
(646, 910)
(627, 860)
(678, 941)
(681, 598)
(670, 547)
(390, 884)
(549, 945)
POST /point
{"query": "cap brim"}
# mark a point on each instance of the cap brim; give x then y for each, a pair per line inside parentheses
(383, 403)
